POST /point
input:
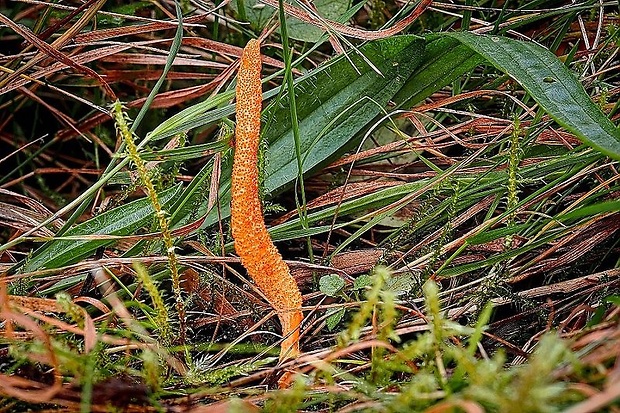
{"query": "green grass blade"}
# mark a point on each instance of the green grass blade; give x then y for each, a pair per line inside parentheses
(551, 84)
(590, 210)
(290, 87)
(443, 61)
(185, 153)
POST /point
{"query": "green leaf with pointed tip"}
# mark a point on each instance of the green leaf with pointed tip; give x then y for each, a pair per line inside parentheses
(551, 84)
(195, 116)
(334, 106)
(259, 15)
(335, 103)
(122, 220)
(590, 210)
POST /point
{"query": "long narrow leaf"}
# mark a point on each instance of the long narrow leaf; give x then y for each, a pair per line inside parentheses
(335, 102)
(123, 220)
(443, 61)
(551, 84)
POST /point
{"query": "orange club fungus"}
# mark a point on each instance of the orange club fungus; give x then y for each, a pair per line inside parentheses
(258, 254)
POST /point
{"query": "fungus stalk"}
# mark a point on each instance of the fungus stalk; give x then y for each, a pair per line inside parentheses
(253, 244)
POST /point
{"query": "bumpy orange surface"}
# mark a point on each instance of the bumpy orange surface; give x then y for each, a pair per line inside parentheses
(253, 244)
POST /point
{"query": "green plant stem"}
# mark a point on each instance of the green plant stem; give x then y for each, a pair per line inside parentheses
(290, 83)
(132, 151)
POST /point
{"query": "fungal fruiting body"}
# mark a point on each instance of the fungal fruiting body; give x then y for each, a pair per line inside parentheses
(258, 254)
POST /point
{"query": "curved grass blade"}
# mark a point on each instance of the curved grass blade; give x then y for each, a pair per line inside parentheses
(195, 116)
(551, 84)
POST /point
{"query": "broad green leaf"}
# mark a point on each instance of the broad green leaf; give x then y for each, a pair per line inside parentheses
(335, 103)
(613, 299)
(331, 284)
(255, 12)
(362, 282)
(403, 284)
(123, 220)
(551, 84)
(443, 61)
